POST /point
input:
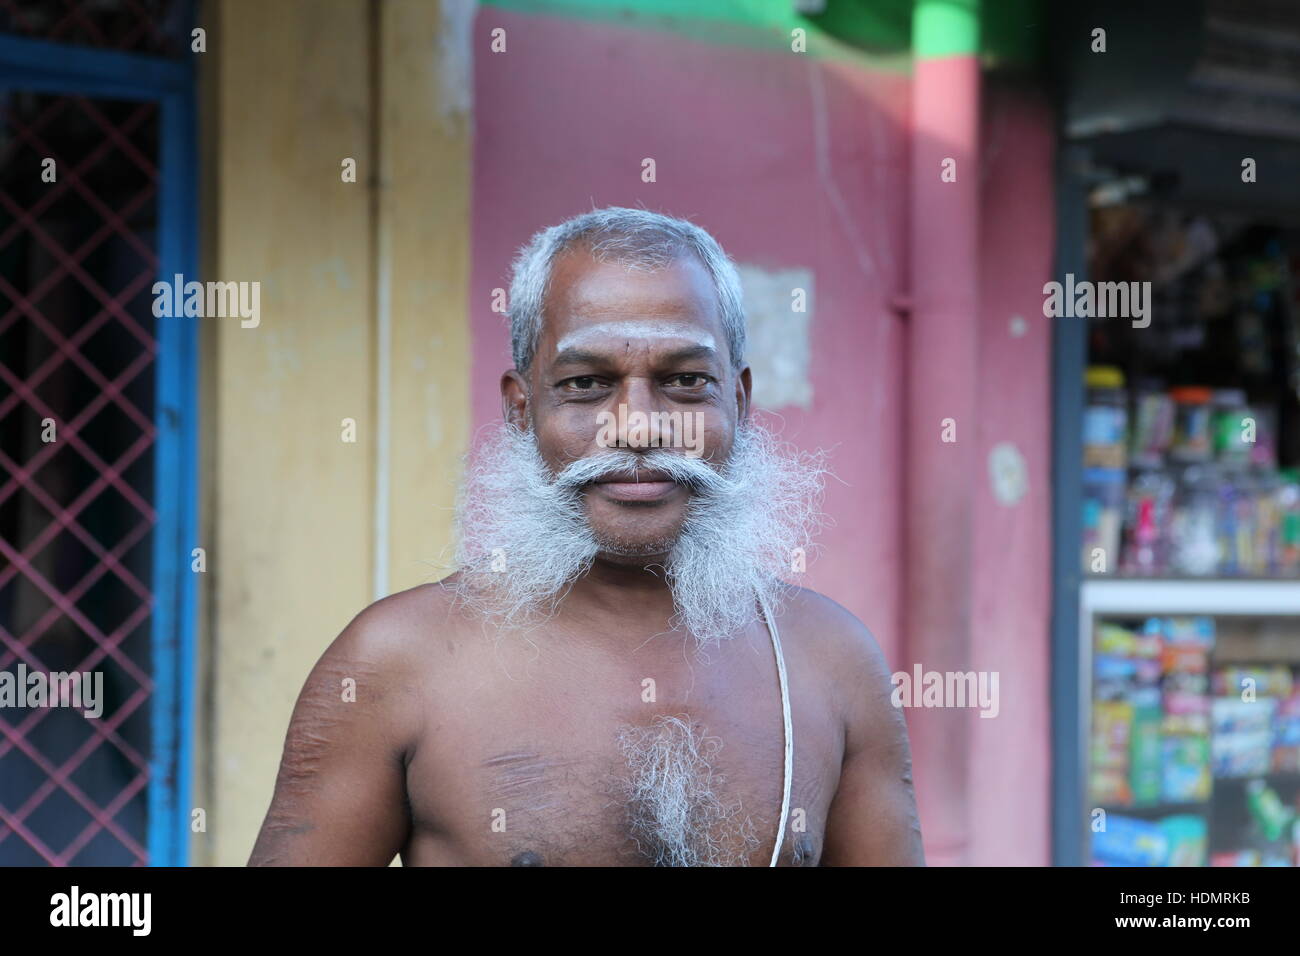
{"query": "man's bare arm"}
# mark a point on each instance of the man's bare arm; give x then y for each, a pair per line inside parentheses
(340, 796)
(873, 819)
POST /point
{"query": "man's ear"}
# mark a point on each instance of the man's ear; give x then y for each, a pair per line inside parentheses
(742, 395)
(514, 399)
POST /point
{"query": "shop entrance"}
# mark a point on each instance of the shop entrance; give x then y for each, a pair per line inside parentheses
(1177, 604)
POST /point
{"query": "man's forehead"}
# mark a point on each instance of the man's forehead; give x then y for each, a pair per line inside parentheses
(591, 301)
(663, 332)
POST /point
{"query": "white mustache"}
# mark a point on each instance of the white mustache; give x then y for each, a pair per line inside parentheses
(693, 472)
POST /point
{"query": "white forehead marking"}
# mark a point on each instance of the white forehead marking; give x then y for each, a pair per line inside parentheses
(634, 329)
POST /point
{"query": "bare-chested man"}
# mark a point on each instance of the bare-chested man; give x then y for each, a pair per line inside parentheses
(605, 679)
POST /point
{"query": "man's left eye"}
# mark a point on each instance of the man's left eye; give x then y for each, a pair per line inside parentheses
(689, 380)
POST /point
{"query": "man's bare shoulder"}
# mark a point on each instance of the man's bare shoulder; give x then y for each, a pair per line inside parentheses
(385, 667)
(403, 628)
(833, 634)
(841, 651)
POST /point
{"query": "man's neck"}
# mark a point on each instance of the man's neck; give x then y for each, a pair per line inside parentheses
(634, 591)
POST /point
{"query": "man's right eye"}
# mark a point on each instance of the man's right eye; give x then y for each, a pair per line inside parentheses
(582, 383)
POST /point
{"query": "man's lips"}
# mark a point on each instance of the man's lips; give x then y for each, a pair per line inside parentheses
(641, 486)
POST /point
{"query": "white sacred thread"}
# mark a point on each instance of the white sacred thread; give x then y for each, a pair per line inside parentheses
(789, 731)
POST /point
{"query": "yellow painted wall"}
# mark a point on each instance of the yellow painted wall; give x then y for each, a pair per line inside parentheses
(291, 88)
(424, 224)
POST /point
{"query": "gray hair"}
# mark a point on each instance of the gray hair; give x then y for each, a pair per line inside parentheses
(636, 238)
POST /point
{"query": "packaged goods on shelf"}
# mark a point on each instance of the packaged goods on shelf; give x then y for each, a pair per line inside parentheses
(1236, 858)
(1112, 725)
(1190, 468)
(1273, 817)
(1177, 840)
(1151, 721)
(1242, 732)
(1146, 780)
(1233, 428)
(1193, 490)
(1267, 681)
(1103, 518)
(1193, 531)
(1128, 841)
(1286, 735)
(1152, 425)
(1105, 419)
(1185, 768)
(1193, 413)
(1187, 840)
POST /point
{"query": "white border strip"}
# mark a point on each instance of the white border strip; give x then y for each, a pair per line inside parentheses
(1215, 596)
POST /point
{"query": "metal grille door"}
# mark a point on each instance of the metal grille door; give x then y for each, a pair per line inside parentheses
(145, 26)
(77, 435)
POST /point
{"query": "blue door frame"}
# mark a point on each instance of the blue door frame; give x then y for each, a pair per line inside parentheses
(58, 68)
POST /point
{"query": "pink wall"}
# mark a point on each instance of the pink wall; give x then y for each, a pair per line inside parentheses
(793, 162)
(1011, 760)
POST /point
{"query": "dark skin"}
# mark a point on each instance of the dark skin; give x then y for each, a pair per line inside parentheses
(468, 747)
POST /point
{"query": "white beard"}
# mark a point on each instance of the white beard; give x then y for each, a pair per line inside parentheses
(523, 536)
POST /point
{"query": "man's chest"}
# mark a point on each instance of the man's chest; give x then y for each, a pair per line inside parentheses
(556, 771)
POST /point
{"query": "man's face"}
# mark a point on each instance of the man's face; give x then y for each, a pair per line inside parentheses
(642, 347)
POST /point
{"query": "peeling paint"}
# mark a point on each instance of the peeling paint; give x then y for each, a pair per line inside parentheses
(779, 339)
(1008, 473)
(455, 92)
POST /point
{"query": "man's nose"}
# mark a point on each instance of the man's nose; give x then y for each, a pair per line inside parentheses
(642, 425)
